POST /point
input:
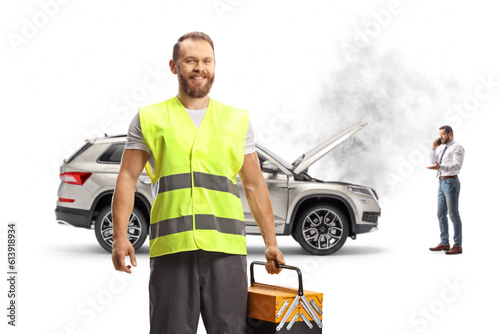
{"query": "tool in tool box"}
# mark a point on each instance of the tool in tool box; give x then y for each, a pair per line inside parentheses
(266, 299)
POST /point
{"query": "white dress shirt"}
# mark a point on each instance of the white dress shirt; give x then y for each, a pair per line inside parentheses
(452, 161)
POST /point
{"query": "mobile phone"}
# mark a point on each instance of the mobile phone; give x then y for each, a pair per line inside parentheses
(439, 141)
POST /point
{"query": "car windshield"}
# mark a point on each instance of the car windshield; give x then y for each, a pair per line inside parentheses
(284, 163)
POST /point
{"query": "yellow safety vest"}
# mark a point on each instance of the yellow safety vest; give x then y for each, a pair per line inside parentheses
(198, 205)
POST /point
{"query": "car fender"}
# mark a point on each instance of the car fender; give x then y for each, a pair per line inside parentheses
(98, 199)
(298, 203)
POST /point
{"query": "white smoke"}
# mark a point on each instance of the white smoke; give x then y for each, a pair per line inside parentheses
(403, 109)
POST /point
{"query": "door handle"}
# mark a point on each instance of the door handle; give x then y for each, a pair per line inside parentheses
(286, 187)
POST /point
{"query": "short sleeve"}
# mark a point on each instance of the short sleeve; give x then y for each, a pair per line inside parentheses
(135, 139)
(250, 141)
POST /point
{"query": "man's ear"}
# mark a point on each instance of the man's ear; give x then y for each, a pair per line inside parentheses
(171, 64)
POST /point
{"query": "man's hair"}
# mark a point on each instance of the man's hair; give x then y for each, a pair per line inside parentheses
(196, 35)
(446, 128)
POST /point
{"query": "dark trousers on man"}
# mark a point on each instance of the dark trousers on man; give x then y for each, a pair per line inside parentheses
(185, 284)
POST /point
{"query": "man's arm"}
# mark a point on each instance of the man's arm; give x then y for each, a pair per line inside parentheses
(133, 162)
(458, 159)
(259, 203)
(432, 156)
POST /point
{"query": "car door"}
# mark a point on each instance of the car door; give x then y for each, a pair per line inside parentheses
(277, 185)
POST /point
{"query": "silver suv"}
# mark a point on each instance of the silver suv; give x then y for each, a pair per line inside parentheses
(319, 215)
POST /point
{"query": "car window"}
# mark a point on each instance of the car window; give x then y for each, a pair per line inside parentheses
(113, 154)
(78, 152)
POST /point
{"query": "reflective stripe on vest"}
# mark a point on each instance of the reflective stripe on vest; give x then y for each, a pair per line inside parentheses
(198, 205)
(214, 182)
(203, 222)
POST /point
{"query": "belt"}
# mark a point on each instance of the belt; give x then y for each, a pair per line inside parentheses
(448, 177)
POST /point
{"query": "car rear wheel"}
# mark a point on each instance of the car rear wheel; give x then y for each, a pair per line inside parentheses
(137, 228)
(321, 229)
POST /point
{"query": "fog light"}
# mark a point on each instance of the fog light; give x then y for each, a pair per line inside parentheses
(364, 200)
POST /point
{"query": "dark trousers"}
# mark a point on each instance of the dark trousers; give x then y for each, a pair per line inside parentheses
(185, 284)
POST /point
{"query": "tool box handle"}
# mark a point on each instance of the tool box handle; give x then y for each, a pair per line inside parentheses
(252, 278)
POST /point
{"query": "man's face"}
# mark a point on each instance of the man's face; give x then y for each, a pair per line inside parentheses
(445, 137)
(195, 67)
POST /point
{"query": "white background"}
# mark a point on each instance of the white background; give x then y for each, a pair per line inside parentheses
(65, 77)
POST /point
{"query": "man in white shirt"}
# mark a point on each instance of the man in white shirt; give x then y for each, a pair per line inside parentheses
(448, 162)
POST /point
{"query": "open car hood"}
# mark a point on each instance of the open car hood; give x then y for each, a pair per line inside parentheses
(305, 160)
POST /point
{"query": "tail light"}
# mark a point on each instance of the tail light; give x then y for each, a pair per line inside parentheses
(67, 200)
(75, 177)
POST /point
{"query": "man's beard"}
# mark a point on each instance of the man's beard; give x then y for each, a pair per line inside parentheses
(195, 90)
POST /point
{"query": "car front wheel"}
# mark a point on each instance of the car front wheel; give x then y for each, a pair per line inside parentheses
(137, 230)
(321, 229)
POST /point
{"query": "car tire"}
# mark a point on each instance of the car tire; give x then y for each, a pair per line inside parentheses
(137, 231)
(317, 236)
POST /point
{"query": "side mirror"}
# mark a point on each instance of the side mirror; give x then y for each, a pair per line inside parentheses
(270, 167)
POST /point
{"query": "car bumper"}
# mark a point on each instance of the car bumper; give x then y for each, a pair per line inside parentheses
(370, 216)
(366, 228)
(74, 217)
(369, 222)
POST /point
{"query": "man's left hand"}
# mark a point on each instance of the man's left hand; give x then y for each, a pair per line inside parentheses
(273, 256)
(435, 167)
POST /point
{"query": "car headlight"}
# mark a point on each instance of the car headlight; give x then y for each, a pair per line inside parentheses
(360, 191)
(364, 192)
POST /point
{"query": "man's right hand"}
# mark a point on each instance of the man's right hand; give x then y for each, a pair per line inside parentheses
(435, 144)
(121, 248)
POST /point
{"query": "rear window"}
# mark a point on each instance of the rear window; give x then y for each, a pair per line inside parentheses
(113, 154)
(77, 153)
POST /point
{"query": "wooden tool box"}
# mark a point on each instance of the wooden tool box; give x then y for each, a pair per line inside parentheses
(277, 309)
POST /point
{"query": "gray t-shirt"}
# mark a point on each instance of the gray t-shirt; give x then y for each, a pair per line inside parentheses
(135, 139)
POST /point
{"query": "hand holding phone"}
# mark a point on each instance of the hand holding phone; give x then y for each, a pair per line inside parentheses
(436, 143)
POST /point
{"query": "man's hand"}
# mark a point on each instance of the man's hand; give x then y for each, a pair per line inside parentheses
(273, 256)
(121, 248)
(434, 167)
(435, 144)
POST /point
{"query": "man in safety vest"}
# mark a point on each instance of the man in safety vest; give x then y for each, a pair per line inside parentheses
(192, 148)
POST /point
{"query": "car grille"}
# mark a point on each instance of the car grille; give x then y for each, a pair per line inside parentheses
(371, 217)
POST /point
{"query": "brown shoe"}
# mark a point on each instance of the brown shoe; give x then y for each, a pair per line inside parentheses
(454, 250)
(440, 247)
